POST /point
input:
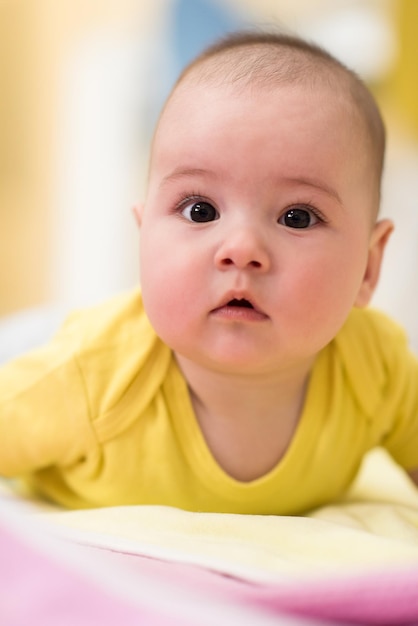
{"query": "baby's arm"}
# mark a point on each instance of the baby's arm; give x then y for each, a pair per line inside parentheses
(42, 410)
(50, 399)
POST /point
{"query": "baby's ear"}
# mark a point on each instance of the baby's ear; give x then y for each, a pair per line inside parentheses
(378, 240)
(137, 211)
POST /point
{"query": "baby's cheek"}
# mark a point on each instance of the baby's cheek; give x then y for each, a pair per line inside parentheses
(164, 303)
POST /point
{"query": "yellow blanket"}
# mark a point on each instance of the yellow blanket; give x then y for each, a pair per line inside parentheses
(353, 562)
(375, 527)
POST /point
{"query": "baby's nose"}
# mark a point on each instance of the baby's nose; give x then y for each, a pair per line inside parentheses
(243, 249)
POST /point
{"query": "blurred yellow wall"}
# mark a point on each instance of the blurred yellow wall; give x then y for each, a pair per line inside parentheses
(25, 131)
(404, 83)
(36, 37)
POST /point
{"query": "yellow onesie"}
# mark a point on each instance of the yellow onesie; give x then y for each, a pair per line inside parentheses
(102, 416)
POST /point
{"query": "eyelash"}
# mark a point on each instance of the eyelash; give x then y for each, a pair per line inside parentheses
(308, 206)
(182, 201)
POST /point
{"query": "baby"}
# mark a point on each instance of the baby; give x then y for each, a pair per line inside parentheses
(247, 376)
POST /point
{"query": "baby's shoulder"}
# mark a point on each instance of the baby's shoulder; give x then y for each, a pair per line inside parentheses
(381, 322)
(374, 353)
(370, 332)
(116, 320)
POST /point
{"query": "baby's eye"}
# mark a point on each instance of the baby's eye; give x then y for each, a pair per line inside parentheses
(299, 217)
(200, 212)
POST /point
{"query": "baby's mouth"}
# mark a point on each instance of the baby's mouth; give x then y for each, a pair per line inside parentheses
(242, 302)
(239, 310)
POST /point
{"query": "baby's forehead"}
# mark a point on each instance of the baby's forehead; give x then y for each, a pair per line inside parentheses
(265, 68)
(195, 97)
(206, 119)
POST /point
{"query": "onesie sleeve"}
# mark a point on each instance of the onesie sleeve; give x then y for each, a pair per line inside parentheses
(44, 416)
(382, 374)
(402, 438)
(399, 408)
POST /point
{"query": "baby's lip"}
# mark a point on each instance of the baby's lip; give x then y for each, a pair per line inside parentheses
(239, 299)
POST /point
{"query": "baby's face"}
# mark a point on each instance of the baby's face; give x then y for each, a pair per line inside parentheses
(256, 226)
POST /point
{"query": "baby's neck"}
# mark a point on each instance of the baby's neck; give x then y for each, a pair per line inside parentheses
(248, 423)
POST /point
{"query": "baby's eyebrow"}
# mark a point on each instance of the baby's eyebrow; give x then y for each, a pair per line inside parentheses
(314, 182)
(186, 172)
(190, 172)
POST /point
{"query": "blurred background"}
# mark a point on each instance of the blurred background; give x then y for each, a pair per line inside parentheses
(81, 85)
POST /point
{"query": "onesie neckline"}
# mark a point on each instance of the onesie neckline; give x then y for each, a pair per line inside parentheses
(196, 451)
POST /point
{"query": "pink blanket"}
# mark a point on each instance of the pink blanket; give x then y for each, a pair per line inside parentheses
(51, 581)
